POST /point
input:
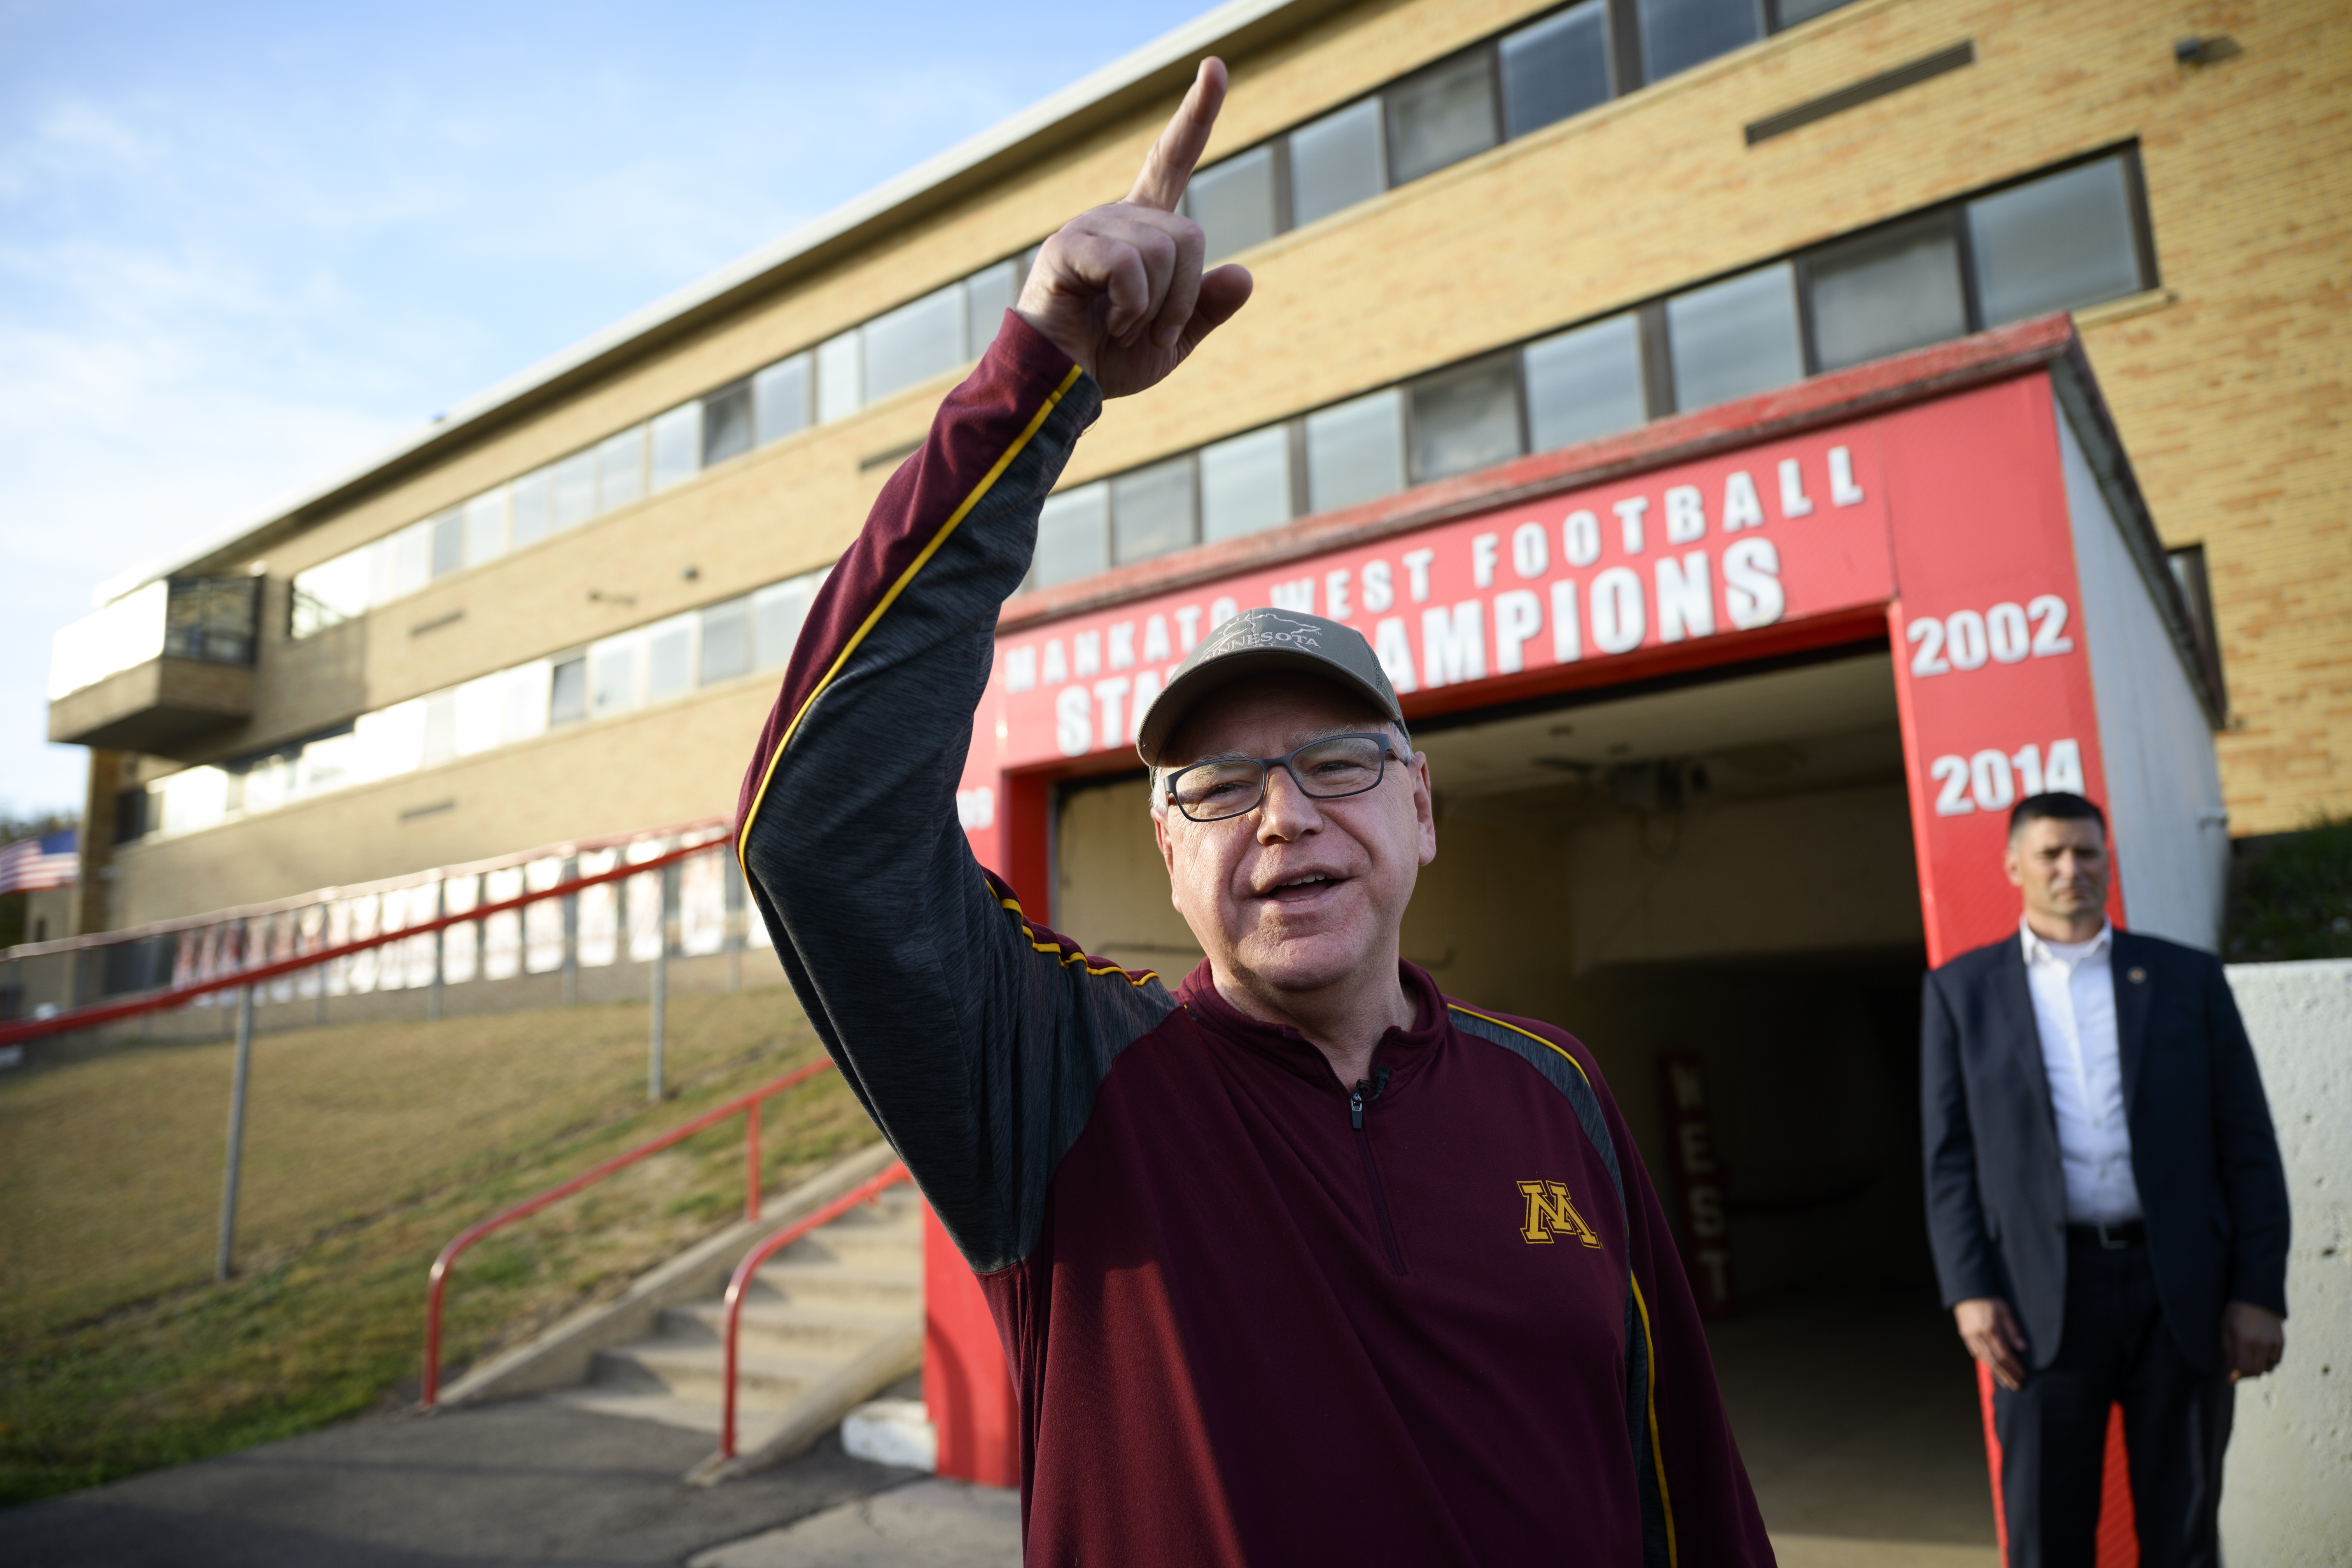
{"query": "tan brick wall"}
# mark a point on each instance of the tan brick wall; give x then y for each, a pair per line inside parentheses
(2229, 392)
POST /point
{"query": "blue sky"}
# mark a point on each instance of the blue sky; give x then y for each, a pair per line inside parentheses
(243, 246)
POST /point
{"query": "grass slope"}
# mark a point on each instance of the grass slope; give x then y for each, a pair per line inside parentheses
(367, 1147)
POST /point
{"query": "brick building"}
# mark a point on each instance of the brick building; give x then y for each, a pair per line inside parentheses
(1629, 209)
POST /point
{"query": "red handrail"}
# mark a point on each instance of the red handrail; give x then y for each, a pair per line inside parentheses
(25, 1029)
(747, 1104)
(865, 1192)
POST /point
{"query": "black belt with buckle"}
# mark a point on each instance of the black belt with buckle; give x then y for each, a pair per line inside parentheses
(2113, 1236)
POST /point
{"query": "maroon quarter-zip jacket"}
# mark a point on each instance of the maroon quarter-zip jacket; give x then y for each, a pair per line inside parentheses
(1254, 1315)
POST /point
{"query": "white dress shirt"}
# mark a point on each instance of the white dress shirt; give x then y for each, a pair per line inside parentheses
(2073, 987)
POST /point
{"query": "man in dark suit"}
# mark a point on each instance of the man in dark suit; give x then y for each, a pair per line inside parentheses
(2104, 1200)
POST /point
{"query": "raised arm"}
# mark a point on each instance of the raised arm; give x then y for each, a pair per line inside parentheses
(974, 1037)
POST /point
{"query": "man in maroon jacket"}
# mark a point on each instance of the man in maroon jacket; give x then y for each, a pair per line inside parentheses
(1303, 1262)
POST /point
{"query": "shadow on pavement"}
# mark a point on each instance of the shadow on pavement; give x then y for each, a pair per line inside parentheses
(522, 1482)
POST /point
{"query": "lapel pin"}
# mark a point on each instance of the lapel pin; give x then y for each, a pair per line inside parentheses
(2138, 976)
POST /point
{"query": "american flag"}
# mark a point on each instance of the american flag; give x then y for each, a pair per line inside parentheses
(31, 864)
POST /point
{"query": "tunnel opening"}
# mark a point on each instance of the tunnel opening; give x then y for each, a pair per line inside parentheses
(1711, 881)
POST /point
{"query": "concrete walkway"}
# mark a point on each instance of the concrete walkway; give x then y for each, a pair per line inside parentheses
(1856, 1409)
(1853, 1406)
(527, 1482)
(931, 1523)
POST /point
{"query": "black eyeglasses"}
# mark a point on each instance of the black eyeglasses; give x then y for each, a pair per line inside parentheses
(1327, 769)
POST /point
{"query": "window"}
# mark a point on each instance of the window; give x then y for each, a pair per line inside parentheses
(1584, 383)
(777, 612)
(2057, 244)
(1245, 483)
(1336, 161)
(1788, 13)
(1679, 34)
(1151, 510)
(1072, 536)
(1736, 337)
(726, 423)
(621, 468)
(486, 526)
(479, 707)
(575, 490)
(988, 294)
(409, 560)
(678, 445)
(613, 685)
(914, 343)
(448, 542)
(1442, 116)
(1233, 203)
(1465, 419)
(2188, 564)
(532, 507)
(1558, 68)
(780, 395)
(837, 387)
(1883, 292)
(1355, 452)
(726, 641)
(567, 693)
(524, 704)
(669, 657)
(329, 593)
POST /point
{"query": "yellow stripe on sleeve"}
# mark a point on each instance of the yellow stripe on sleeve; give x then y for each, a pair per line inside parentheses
(987, 483)
(1650, 1395)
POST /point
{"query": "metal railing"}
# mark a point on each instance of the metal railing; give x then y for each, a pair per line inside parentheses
(246, 979)
(170, 955)
(745, 1105)
(181, 994)
(739, 1284)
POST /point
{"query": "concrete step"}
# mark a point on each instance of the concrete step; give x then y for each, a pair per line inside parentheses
(692, 1370)
(874, 1286)
(753, 1429)
(818, 1330)
(826, 1323)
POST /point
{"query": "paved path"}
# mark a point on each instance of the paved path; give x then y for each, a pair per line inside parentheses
(929, 1524)
(524, 1482)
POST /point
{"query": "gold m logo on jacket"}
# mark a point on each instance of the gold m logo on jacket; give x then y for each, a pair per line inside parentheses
(1551, 1212)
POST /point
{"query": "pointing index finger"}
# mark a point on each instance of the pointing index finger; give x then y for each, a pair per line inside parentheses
(1168, 167)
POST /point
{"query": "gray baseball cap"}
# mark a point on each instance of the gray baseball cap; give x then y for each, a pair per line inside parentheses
(1267, 642)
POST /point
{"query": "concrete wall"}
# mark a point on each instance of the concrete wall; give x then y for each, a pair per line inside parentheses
(2286, 1499)
(1787, 874)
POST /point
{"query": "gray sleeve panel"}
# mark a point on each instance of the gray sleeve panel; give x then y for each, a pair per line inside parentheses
(975, 1042)
(1561, 1073)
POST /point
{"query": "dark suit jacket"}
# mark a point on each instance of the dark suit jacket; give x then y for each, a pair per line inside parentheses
(2203, 1154)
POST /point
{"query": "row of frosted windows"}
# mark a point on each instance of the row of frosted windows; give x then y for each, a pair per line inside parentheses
(1558, 66)
(611, 923)
(2064, 241)
(616, 675)
(1561, 64)
(932, 335)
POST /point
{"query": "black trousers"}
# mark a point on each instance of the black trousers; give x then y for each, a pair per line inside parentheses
(2116, 1349)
